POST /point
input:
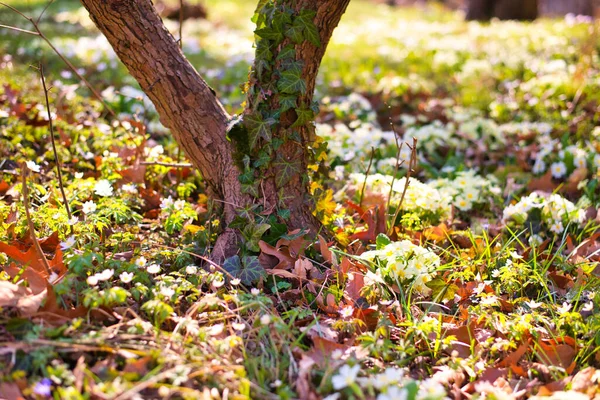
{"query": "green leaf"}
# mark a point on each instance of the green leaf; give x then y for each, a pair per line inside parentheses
(284, 213)
(287, 101)
(306, 19)
(259, 16)
(247, 177)
(258, 127)
(291, 81)
(248, 270)
(250, 188)
(288, 52)
(263, 58)
(440, 288)
(294, 32)
(305, 115)
(382, 241)
(263, 158)
(285, 169)
(253, 233)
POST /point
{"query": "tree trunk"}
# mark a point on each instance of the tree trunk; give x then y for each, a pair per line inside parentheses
(484, 10)
(199, 123)
(561, 7)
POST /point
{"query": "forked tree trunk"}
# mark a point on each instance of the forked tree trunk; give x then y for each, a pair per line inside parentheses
(198, 121)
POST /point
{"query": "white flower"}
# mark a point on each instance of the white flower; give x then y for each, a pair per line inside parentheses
(33, 166)
(179, 204)
(276, 384)
(92, 280)
(78, 175)
(238, 326)
(89, 207)
(217, 283)
(103, 188)
(140, 262)
(589, 306)
(73, 220)
(394, 393)
(557, 227)
(539, 167)
(166, 202)
(167, 291)
(265, 319)
(463, 204)
(564, 308)
(515, 255)
(67, 244)
(191, 270)
(255, 291)
(559, 169)
(153, 269)
(347, 312)
(535, 240)
(126, 277)
(389, 377)
(533, 304)
(236, 281)
(105, 275)
(128, 188)
(430, 389)
(346, 376)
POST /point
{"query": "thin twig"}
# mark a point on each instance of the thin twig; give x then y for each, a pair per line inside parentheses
(164, 164)
(56, 158)
(181, 24)
(362, 192)
(38, 248)
(411, 165)
(398, 163)
(14, 28)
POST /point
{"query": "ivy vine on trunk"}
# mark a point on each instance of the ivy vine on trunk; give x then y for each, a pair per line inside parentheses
(254, 163)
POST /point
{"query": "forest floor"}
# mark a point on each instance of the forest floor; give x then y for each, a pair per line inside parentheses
(478, 280)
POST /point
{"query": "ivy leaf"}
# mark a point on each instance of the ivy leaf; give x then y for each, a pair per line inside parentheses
(259, 16)
(253, 233)
(248, 269)
(291, 81)
(250, 188)
(286, 168)
(263, 158)
(276, 31)
(305, 115)
(247, 177)
(258, 127)
(263, 56)
(382, 241)
(287, 101)
(287, 52)
(306, 19)
(294, 32)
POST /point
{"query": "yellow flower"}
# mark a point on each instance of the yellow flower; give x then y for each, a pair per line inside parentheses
(326, 203)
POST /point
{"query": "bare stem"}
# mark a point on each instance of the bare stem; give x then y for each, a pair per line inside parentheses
(411, 165)
(56, 158)
(362, 192)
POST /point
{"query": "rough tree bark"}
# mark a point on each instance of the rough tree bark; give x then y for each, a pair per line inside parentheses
(484, 10)
(198, 121)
